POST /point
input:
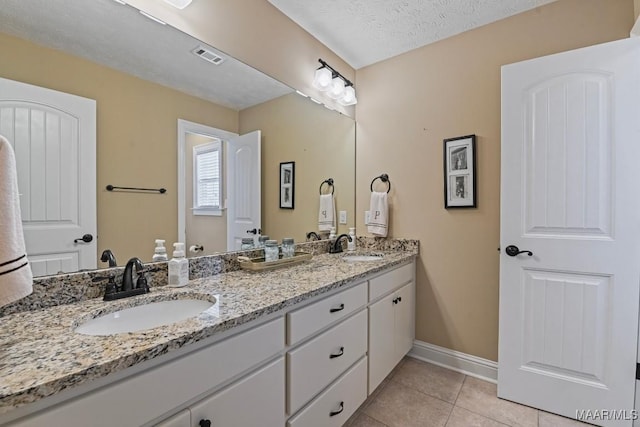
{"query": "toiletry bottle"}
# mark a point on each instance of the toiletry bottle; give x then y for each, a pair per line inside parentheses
(178, 267)
(351, 246)
(332, 233)
(160, 252)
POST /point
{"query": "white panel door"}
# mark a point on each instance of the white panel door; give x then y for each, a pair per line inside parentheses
(54, 139)
(570, 150)
(243, 188)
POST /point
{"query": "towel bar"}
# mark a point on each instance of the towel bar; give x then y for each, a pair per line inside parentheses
(328, 181)
(158, 190)
(384, 178)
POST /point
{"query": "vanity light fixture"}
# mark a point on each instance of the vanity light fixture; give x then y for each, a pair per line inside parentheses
(326, 78)
(179, 4)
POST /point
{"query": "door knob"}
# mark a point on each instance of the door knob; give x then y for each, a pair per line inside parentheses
(513, 250)
(86, 239)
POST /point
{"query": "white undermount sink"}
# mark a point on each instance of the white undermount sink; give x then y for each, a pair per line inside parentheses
(362, 258)
(146, 316)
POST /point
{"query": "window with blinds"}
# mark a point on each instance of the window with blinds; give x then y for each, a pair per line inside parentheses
(207, 178)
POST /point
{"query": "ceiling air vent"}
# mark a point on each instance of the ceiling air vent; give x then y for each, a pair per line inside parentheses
(208, 55)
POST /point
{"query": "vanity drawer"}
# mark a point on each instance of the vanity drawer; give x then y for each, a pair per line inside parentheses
(305, 321)
(344, 396)
(315, 364)
(387, 282)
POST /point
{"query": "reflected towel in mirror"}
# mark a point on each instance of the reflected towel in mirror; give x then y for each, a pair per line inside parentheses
(16, 279)
(326, 215)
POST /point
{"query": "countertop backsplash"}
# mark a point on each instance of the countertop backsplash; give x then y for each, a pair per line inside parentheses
(50, 291)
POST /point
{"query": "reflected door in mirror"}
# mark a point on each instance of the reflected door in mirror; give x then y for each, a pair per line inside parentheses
(54, 138)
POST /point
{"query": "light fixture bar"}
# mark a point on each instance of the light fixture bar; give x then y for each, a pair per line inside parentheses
(347, 82)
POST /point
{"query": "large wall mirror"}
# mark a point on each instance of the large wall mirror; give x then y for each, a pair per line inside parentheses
(145, 77)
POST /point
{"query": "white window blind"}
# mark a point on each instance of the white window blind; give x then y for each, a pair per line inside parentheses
(207, 181)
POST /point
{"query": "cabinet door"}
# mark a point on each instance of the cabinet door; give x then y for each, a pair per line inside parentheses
(256, 400)
(404, 320)
(382, 355)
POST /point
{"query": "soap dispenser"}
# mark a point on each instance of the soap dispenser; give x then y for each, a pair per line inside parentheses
(160, 252)
(178, 267)
(351, 244)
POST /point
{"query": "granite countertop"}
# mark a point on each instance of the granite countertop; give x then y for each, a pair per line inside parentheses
(40, 354)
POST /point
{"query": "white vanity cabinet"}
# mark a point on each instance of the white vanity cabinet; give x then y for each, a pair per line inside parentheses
(254, 401)
(153, 391)
(391, 321)
(321, 374)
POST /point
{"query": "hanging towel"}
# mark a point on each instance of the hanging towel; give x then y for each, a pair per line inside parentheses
(379, 211)
(326, 215)
(16, 279)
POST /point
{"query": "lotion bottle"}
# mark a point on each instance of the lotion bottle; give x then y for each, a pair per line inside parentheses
(160, 252)
(351, 246)
(178, 267)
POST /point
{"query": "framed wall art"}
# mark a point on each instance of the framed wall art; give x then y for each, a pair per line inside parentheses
(287, 181)
(460, 172)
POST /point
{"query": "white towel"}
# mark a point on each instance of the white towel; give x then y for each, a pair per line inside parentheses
(16, 279)
(379, 211)
(326, 215)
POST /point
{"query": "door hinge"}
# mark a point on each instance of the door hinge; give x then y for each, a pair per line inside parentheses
(638, 371)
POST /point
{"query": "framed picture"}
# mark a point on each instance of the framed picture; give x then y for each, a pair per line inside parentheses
(287, 181)
(460, 172)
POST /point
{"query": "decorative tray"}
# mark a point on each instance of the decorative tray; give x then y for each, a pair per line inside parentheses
(259, 264)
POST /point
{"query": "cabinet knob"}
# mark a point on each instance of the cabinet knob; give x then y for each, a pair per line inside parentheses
(333, 356)
(339, 411)
(204, 423)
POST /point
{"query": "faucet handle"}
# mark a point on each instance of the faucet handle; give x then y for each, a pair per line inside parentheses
(111, 287)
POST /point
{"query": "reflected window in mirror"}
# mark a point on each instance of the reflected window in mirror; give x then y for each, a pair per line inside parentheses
(207, 179)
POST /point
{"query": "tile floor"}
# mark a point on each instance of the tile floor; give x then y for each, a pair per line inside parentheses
(420, 394)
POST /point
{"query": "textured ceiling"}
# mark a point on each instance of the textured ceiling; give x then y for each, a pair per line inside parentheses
(115, 35)
(363, 32)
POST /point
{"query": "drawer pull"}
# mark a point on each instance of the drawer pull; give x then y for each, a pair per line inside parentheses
(204, 423)
(333, 356)
(395, 300)
(339, 411)
(340, 308)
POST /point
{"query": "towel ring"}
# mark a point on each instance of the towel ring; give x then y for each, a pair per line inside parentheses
(329, 182)
(384, 178)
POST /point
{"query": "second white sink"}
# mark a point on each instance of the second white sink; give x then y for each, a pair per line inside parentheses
(144, 316)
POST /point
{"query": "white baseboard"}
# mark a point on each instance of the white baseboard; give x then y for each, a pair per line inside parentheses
(456, 361)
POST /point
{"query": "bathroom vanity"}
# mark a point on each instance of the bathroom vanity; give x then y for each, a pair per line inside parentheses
(301, 346)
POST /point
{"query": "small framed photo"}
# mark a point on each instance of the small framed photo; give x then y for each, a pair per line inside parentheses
(287, 181)
(460, 172)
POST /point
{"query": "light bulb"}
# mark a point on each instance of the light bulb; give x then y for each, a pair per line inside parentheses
(337, 88)
(348, 97)
(322, 79)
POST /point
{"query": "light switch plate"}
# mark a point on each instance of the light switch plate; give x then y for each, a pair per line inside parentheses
(343, 217)
(367, 217)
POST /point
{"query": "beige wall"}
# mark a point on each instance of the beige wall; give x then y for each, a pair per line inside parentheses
(210, 231)
(257, 33)
(321, 143)
(136, 140)
(409, 104)
(636, 8)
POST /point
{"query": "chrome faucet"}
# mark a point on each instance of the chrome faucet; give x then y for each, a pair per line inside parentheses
(336, 247)
(108, 256)
(127, 277)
